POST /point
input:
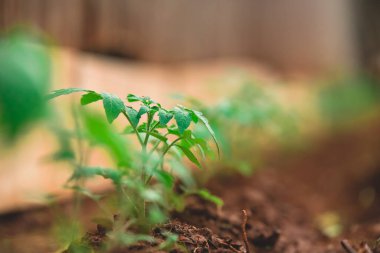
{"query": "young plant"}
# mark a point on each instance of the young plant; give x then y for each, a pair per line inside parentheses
(247, 123)
(144, 177)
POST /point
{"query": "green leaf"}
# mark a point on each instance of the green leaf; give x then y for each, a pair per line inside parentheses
(134, 98)
(183, 172)
(151, 195)
(25, 78)
(90, 98)
(158, 136)
(143, 109)
(210, 197)
(164, 177)
(211, 131)
(128, 130)
(129, 238)
(133, 116)
(189, 155)
(202, 145)
(113, 106)
(85, 192)
(174, 131)
(156, 216)
(182, 118)
(102, 133)
(193, 115)
(164, 117)
(170, 241)
(88, 172)
(67, 91)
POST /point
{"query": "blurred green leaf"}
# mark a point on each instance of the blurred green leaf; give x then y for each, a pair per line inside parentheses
(164, 177)
(210, 197)
(129, 238)
(156, 216)
(85, 192)
(67, 91)
(88, 172)
(25, 71)
(103, 134)
(189, 155)
(211, 131)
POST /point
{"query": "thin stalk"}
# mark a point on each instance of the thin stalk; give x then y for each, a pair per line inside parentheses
(156, 145)
(134, 129)
(79, 164)
(171, 145)
(161, 161)
(154, 148)
(147, 129)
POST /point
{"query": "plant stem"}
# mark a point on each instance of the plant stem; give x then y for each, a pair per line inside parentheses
(134, 128)
(147, 129)
(171, 145)
(162, 157)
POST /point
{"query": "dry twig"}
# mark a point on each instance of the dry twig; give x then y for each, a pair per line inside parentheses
(347, 246)
(244, 232)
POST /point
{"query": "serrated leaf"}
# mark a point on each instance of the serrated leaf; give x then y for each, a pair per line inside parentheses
(164, 117)
(60, 92)
(210, 197)
(90, 98)
(113, 106)
(189, 155)
(182, 118)
(210, 130)
(133, 116)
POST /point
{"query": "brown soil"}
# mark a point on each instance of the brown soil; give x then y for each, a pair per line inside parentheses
(282, 203)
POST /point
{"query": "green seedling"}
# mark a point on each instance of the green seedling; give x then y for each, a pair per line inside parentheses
(246, 124)
(144, 177)
(347, 99)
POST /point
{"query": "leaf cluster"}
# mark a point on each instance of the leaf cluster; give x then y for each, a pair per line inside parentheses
(144, 177)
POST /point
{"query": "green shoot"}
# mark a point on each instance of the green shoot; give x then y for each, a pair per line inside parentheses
(144, 177)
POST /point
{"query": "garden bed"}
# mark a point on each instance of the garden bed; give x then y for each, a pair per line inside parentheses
(282, 206)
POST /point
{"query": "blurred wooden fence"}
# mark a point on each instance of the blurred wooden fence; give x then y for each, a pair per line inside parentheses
(287, 34)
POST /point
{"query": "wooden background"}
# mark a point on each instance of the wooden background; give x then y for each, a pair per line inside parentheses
(289, 34)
